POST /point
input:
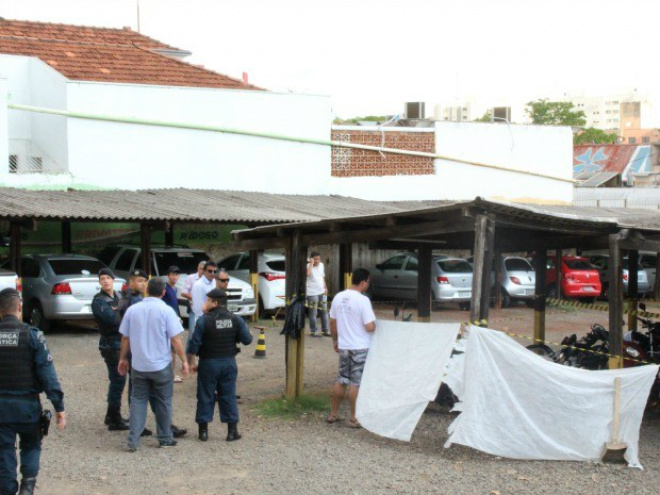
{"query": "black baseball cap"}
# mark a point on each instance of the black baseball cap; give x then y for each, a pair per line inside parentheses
(108, 272)
(217, 294)
(173, 269)
(139, 273)
(9, 292)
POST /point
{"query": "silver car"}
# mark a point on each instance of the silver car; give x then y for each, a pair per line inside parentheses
(601, 262)
(58, 287)
(518, 280)
(396, 279)
(648, 262)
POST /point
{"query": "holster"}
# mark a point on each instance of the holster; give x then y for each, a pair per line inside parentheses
(44, 422)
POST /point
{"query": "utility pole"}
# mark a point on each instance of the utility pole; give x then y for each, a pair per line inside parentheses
(138, 15)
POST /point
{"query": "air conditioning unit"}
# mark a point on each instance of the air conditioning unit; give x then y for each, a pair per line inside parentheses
(415, 110)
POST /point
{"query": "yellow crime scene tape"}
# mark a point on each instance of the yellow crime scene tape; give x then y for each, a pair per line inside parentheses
(599, 307)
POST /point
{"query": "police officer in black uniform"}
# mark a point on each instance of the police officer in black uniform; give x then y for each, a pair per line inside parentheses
(26, 370)
(105, 307)
(214, 341)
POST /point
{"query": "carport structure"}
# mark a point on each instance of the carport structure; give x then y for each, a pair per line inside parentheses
(487, 228)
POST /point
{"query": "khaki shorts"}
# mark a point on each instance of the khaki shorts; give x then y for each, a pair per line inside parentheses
(351, 366)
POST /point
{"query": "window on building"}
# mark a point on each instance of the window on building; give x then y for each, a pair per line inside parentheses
(13, 164)
(36, 164)
(646, 139)
(632, 140)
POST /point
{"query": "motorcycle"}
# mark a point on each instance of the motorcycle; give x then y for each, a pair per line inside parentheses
(642, 346)
(590, 352)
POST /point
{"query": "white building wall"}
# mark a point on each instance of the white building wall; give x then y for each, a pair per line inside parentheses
(540, 149)
(137, 156)
(4, 128)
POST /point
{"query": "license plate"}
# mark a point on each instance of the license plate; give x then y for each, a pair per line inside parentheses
(232, 307)
(588, 289)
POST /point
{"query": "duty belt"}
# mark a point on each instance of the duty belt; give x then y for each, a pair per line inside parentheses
(20, 396)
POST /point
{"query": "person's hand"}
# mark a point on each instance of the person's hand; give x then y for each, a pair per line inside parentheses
(185, 368)
(193, 368)
(335, 345)
(311, 261)
(60, 420)
(122, 367)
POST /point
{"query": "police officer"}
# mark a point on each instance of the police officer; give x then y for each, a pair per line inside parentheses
(26, 369)
(105, 307)
(214, 341)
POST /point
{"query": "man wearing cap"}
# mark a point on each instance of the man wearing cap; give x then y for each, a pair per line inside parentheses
(149, 329)
(26, 370)
(105, 307)
(216, 334)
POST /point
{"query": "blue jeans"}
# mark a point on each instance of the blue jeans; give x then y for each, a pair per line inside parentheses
(216, 380)
(156, 387)
(30, 446)
(318, 304)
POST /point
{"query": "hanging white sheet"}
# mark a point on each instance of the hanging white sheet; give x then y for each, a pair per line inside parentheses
(403, 373)
(518, 405)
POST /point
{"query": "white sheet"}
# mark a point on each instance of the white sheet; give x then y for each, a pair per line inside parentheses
(518, 405)
(403, 373)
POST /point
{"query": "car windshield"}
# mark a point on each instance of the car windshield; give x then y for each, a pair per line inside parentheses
(75, 267)
(276, 265)
(455, 266)
(579, 265)
(518, 265)
(187, 261)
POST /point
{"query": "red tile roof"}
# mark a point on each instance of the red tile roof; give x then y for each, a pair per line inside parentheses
(107, 55)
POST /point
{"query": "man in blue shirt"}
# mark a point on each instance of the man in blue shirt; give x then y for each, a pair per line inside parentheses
(26, 370)
(170, 298)
(149, 329)
(216, 334)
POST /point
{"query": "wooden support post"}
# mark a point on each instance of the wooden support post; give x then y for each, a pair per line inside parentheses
(145, 246)
(633, 287)
(169, 234)
(656, 282)
(497, 279)
(540, 290)
(254, 281)
(67, 245)
(615, 276)
(558, 272)
(295, 348)
(424, 273)
(483, 255)
(15, 247)
(345, 265)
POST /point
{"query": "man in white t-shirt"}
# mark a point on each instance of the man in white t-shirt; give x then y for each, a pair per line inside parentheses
(352, 323)
(317, 294)
(203, 286)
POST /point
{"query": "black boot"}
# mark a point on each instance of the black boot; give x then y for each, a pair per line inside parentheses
(203, 432)
(27, 486)
(178, 432)
(113, 419)
(232, 432)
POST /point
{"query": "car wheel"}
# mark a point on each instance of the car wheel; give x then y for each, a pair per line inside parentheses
(262, 310)
(506, 299)
(530, 303)
(37, 318)
(552, 292)
(605, 293)
(542, 350)
(464, 306)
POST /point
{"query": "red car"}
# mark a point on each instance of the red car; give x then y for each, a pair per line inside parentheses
(579, 278)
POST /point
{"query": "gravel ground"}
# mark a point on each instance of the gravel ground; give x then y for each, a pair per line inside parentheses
(305, 456)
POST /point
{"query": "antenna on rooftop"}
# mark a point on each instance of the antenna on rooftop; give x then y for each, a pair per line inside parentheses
(138, 15)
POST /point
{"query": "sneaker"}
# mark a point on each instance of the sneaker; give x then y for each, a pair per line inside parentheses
(178, 379)
(132, 448)
(314, 334)
(164, 445)
(327, 334)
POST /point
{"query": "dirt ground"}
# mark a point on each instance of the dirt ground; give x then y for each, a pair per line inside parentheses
(306, 456)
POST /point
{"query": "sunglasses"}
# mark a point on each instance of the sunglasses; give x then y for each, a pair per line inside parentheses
(211, 271)
(223, 280)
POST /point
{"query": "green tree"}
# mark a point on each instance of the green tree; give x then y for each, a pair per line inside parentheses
(355, 120)
(594, 136)
(486, 117)
(546, 112)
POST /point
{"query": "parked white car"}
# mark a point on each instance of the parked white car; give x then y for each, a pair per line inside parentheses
(648, 262)
(271, 277)
(9, 280)
(122, 260)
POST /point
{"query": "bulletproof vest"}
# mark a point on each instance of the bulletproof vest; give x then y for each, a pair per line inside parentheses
(16, 358)
(105, 329)
(220, 335)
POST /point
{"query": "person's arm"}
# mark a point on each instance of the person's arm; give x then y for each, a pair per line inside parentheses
(122, 367)
(47, 376)
(310, 265)
(333, 334)
(194, 343)
(104, 312)
(370, 327)
(368, 316)
(186, 291)
(177, 345)
(244, 335)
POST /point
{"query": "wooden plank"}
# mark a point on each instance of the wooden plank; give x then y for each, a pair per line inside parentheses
(254, 280)
(169, 235)
(145, 247)
(485, 279)
(66, 238)
(633, 287)
(540, 291)
(15, 247)
(424, 274)
(656, 284)
(291, 354)
(558, 272)
(615, 303)
(497, 276)
(345, 265)
(483, 255)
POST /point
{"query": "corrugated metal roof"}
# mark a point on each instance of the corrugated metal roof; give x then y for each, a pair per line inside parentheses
(598, 179)
(188, 205)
